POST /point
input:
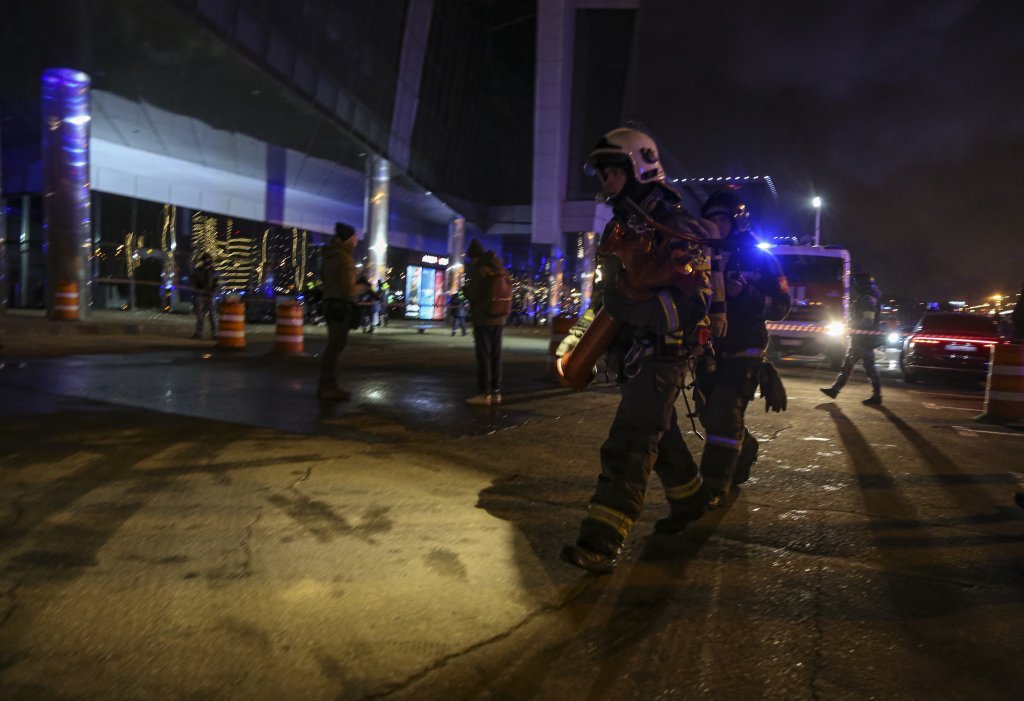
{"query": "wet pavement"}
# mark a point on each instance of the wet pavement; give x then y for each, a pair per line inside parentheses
(182, 522)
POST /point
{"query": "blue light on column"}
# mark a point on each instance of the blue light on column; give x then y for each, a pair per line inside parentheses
(66, 117)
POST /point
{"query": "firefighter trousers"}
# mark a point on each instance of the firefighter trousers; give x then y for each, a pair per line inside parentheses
(729, 449)
(864, 353)
(643, 436)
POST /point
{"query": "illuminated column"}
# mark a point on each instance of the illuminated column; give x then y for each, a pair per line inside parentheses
(555, 287)
(375, 215)
(24, 250)
(169, 245)
(456, 249)
(66, 183)
(589, 265)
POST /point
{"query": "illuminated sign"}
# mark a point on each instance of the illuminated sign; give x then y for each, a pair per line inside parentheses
(434, 260)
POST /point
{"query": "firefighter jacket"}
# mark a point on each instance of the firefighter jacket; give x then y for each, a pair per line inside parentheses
(666, 322)
(865, 315)
(763, 296)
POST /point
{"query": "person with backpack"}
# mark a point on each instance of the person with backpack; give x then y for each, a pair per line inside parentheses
(488, 290)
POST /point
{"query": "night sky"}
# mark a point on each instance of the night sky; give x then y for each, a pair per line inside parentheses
(907, 118)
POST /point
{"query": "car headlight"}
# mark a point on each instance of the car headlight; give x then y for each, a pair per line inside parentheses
(836, 328)
(893, 338)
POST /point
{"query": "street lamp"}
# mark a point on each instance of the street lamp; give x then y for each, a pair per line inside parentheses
(817, 220)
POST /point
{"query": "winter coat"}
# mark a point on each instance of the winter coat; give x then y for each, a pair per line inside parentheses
(477, 289)
(338, 271)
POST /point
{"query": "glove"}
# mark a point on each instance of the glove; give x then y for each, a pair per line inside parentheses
(772, 390)
(719, 325)
(568, 343)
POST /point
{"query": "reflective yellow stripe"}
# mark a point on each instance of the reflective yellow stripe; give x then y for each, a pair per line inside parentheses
(683, 491)
(619, 521)
(668, 306)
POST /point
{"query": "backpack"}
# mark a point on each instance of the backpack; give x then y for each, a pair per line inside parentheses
(499, 300)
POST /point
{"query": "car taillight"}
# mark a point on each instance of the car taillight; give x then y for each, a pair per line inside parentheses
(953, 339)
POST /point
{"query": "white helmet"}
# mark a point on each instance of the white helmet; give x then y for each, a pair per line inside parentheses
(621, 145)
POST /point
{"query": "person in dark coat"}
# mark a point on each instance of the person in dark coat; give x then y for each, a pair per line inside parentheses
(487, 329)
(205, 283)
(865, 318)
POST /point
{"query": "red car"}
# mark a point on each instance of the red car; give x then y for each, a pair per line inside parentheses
(950, 344)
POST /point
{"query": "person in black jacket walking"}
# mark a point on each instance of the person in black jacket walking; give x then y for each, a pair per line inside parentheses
(755, 291)
(865, 319)
(205, 284)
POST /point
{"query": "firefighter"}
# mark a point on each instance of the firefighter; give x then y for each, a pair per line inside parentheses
(865, 336)
(660, 332)
(756, 291)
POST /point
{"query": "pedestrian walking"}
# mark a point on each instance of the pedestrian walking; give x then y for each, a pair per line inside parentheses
(205, 285)
(865, 326)
(342, 314)
(457, 312)
(662, 329)
(366, 299)
(489, 293)
(382, 303)
(756, 291)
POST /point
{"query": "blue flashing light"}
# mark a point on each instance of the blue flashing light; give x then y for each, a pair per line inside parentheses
(764, 245)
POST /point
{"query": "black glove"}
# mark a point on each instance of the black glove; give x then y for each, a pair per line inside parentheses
(772, 390)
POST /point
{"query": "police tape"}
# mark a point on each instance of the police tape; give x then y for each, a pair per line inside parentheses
(811, 327)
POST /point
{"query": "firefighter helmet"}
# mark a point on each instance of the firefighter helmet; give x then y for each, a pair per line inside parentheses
(728, 203)
(632, 150)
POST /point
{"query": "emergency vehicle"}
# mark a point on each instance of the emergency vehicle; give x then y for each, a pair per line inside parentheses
(819, 284)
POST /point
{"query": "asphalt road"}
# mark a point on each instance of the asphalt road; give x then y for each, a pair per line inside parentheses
(182, 522)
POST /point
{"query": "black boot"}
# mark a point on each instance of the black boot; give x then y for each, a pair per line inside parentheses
(746, 460)
(716, 500)
(589, 560)
(873, 400)
(830, 392)
(677, 521)
(684, 512)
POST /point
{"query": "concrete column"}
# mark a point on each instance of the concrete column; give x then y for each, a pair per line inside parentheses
(551, 116)
(456, 249)
(66, 197)
(375, 215)
(589, 266)
(410, 74)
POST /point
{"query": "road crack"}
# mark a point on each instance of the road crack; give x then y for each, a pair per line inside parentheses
(10, 603)
(305, 476)
(246, 546)
(576, 591)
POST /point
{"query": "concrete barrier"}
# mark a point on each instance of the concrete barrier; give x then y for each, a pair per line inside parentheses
(289, 334)
(1004, 388)
(231, 324)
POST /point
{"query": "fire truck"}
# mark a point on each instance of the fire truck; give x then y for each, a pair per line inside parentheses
(819, 284)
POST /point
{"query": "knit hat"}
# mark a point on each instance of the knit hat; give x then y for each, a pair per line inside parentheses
(344, 231)
(475, 250)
